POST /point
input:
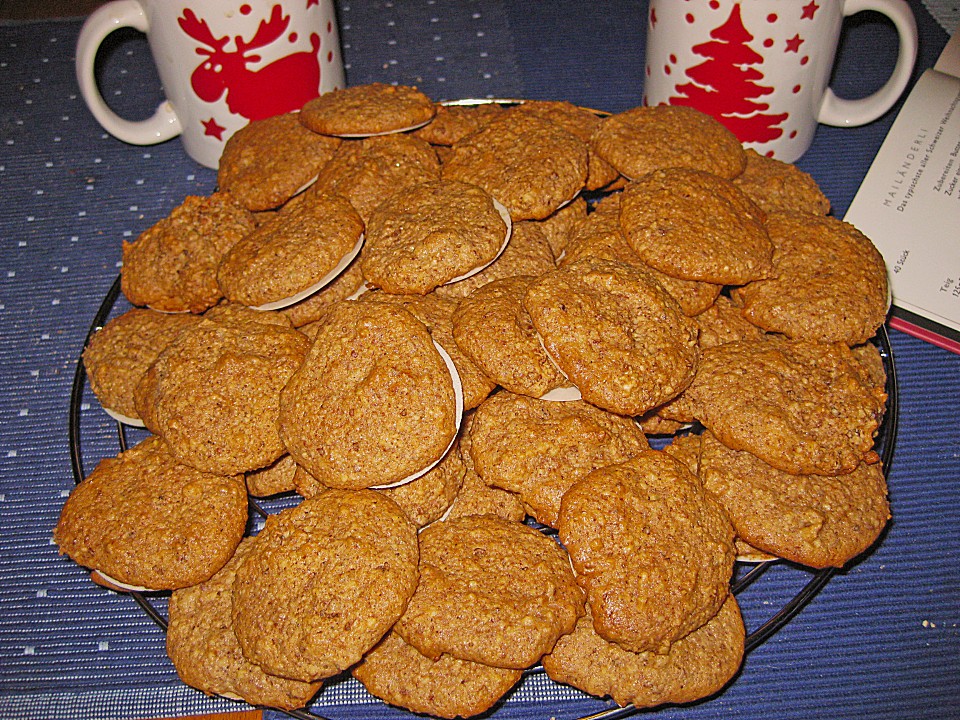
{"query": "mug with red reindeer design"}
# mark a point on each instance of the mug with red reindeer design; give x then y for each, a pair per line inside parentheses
(222, 63)
(762, 67)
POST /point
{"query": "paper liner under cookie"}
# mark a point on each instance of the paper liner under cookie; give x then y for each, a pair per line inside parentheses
(124, 419)
(458, 400)
(569, 393)
(360, 136)
(505, 216)
(122, 586)
(316, 287)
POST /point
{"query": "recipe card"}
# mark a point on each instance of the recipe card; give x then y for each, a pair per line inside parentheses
(909, 205)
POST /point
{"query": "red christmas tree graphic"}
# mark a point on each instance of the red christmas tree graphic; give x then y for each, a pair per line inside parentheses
(726, 85)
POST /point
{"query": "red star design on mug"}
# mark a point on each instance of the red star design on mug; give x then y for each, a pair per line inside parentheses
(212, 128)
(809, 11)
(793, 44)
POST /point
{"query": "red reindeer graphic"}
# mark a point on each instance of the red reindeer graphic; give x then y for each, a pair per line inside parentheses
(283, 85)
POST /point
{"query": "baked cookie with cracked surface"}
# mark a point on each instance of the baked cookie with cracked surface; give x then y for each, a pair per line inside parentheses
(615, 333)
(373, 402)
(453, 122)
(172, 266)
(643, 139)
(494, 330)
(695, 666)
(815, 520)
(652, 550)
(268, 161)
(829, 282)
(775, 186)
(491, 591)
(294, 251)
(697, 226)
(146, 520)
(205, 652)
(273, 479)
(558, 225)
(429, 234)
(370, 109)
(539, 448)
(399, 674)
(323, 583)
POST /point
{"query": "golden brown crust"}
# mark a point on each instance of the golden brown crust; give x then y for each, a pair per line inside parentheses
(368, 109)
(273, 479)
(775, 185)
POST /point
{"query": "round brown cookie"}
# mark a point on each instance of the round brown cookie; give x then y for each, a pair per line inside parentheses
(813, 520)
(368, 171)
(695, 666)
(532, 166)
(829, 282)
(538, 448)
(491, 591)
(802, 407)
(653, 551)
(643, 139)
(398, 674)
(148, 521)
(723, 322)
(269, 161)
(697, 226)
(453, 122)
(686, 449)
(370, 109)
(172, 266)
(273, 479)
(494, 330)
(436, 313)
(527, 253)
(615, 333)
(559, 224)
(323, 583)
(217, 389)
(373, 402)
(429, 234)
(291, 253)
(580, 122)
(427, 499)
(204, 650)
(119, 354)
(315, 307)
(775, 185)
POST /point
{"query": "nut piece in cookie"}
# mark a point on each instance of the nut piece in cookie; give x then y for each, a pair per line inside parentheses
(653, 551)
(615, 333)
(491, 591)
(146, 520)
(372, 109)
(323, 583)
(373, 402)
(204, 650)
(447, 687)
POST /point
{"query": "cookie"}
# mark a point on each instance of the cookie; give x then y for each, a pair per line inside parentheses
(558, 225)
(615, 333)
(323, 583)
(494, 330)
(371, 109)
(532, 166)
(119, 354)
(724, 322)
(775, 186)
(697, 226)
(652, 550)
(829, 282)
(643, 139)
(696, 666)
(146, 520)
(538, 448)
(217, 389)
(204, 650)
(491, 591)
(452, 122)
(805, 408)
(815, 520)
(172, 266)
(372, 403)
(447, 687)
(273, 479)
(288, 257)
(315, 307)
(429, 234)
(268, 161)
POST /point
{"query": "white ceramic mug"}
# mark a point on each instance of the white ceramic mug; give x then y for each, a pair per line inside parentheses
(762, 67)
(222, 63)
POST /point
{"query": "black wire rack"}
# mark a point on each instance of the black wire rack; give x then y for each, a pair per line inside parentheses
(751, 575)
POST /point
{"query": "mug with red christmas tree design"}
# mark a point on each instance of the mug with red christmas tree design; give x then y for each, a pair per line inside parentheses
(762, 67)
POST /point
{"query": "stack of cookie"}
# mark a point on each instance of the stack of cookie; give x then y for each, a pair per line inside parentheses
(450, 329)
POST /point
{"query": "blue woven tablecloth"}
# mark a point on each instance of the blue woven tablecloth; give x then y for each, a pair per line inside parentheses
(880, 641)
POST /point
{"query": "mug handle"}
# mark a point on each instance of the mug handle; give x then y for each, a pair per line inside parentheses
(164, 123)
(851, 113)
